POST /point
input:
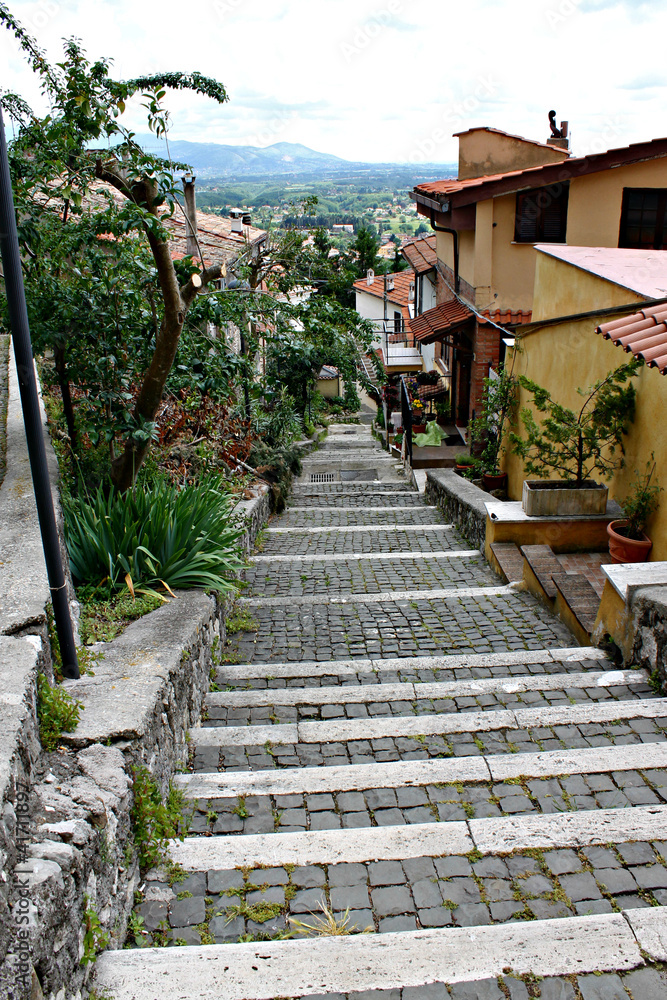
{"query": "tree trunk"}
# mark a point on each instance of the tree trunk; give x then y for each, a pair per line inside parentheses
(63, 382)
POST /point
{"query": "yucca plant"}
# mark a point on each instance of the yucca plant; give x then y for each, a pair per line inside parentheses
(161, 537)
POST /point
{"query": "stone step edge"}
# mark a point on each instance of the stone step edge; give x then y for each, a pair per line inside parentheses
(408, 691)
(489, 835)
(361, 527)
(436, 724)
(362, 963)
(414, 773)
(370, 556)
(441, 593)
(371, 510)
(317, 668)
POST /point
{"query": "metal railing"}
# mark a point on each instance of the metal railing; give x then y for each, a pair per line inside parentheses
(406, 415)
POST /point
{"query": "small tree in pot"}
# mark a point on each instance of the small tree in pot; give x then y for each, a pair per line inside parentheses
(575, 445)
(627, 541)
(498, 404)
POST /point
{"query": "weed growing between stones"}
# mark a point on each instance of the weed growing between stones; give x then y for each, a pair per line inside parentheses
(94, 938)
(327, 925)
(103, 620)
(58, 712)
(155, 822)
(240, 620)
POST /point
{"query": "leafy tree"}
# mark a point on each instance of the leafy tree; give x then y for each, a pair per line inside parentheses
(54, 167)
(498, 404)
(365, 253)
(575, 445)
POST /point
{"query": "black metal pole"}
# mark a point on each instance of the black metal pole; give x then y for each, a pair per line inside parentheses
(18, 321)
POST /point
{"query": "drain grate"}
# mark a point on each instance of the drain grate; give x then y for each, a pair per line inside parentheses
(323, 477)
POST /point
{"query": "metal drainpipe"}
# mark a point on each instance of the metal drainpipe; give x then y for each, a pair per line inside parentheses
(443, 229)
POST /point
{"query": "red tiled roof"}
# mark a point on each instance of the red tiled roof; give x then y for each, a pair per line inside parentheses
(421, 254)
(215, 237)
(475, 189)
(400, 295)
(644, 335)
(512, 317)
(440, 320)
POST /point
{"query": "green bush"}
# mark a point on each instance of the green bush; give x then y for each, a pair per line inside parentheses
(155, 820)
(161, 535)
(276, 466)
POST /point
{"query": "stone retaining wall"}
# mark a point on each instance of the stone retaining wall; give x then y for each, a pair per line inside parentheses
(648, 607)
(460, 501)
(66, 849)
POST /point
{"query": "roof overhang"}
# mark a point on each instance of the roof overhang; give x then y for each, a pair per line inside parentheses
(441, 321)
(644, 335)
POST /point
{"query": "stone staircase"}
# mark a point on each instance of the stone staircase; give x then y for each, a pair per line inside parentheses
(411, 783)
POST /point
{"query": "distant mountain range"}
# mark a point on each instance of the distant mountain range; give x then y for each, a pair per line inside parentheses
(282, 159)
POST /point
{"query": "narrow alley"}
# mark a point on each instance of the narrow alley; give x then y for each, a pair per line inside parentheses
(410, 783)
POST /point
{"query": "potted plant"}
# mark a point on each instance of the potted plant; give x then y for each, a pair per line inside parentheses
(443, 411)
(627, 541)
(464, 462)
(487, 429)
(418, 425)
(575, 445)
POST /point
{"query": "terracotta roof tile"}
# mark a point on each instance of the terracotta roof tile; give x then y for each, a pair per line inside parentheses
(644, 335)
(399, 296)
(433, 323)
(421, 254)
(546, 173)
(512, 317)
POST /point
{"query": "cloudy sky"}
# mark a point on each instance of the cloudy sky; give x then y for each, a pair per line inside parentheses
(377, 80)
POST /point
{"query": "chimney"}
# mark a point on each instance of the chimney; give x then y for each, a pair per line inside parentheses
(559, 136)
(236, 215)
(190, 215)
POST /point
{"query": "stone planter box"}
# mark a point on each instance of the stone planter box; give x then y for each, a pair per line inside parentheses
(557, 499)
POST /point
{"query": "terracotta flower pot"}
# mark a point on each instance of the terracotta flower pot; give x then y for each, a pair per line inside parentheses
(419, 428)
(494, 482)
(626, 550)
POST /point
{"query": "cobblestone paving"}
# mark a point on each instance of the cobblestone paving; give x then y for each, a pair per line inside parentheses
(259, 758)
(224, 905)
(441, 803)
(382, 498)
(407, 675)
(360, 542)
(399, 628)
(264, 715)
(366, 576)
(341, 518)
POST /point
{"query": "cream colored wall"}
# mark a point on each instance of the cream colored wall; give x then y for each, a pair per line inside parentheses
(568, 356)
(445, 251)
(562, 289)
(594, 209)
(513, 268)
(329, 387)
(483, 252)
(483, 152)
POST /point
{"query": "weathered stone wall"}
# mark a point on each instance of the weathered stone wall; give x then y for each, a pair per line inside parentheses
(648, 607)
(65, 829)
(460, 501)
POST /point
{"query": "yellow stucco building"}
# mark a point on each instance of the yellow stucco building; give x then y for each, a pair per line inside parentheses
(561, 351)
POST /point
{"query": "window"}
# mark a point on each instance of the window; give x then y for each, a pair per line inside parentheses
(541, 215)
(643, 219)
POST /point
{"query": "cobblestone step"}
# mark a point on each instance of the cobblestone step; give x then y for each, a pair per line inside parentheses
(420, 726)
(307, 703)
(351, 488)
(325, 966)
(361, 540)
(488, 836)
(380, 597)
(418, 625)
(350, 517)
(329, 575)
(598, 760)
(422, 668)
(372, 497)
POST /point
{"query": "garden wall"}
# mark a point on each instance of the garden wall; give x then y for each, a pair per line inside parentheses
(648, 607)
(66, 849)
(460, 501)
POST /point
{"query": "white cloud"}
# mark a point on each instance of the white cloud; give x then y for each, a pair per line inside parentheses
(374, 79)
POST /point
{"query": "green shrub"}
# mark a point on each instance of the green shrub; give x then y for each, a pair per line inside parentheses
(58, 712)
(276, 466)
(161, 535)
